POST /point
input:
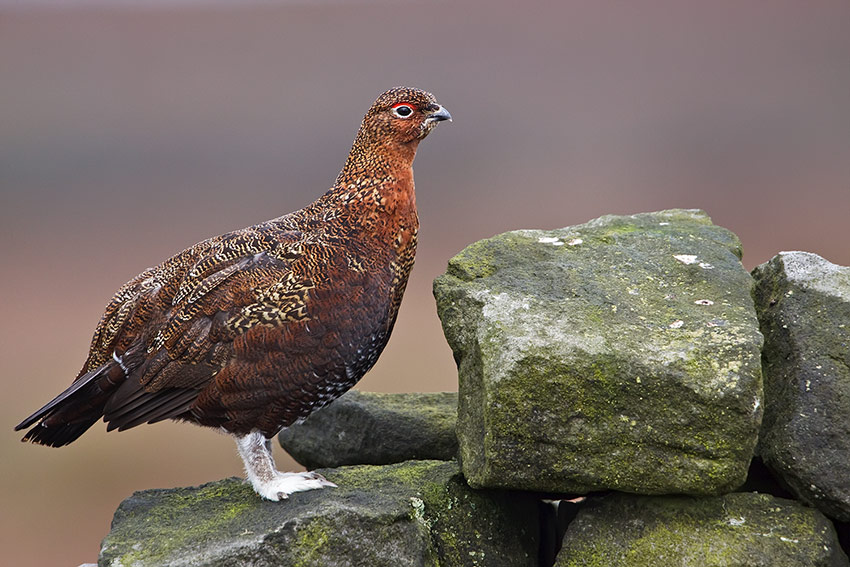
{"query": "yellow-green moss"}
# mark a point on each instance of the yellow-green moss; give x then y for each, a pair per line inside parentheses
(311, 538)
(212, 508)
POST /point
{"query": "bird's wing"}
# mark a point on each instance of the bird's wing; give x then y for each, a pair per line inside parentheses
(175, 333)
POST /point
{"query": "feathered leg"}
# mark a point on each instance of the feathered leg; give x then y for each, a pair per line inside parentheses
(267, 481)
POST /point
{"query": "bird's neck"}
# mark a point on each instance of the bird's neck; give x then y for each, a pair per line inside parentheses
(372, 162)
(379, 177)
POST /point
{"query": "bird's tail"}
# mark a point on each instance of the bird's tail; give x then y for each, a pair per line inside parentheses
(71, 413)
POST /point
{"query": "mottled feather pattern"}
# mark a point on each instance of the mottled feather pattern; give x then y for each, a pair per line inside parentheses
(256, 328)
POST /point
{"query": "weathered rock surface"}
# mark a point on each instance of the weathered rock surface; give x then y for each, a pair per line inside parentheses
(409, 514)
(804, 309)
(376, 429)
(735, 530)
(619, 354)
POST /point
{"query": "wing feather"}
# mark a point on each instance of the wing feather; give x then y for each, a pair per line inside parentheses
(221, 296)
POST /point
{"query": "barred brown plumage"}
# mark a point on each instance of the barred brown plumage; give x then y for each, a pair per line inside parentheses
(253, 330)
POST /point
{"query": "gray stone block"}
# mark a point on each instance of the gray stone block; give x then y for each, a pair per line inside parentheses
(735, 530)
(803, 303)
(376, 429)
(623, 354)
(410, 514)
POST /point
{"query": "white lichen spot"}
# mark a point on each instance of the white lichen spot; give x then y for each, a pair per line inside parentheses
(756, 404)
(706, 266)
(575, 241)
(789, 540)
(501, 304)
(676, 324)
(418, 506)
(704, 302)
(634, 291)
(740, 521)
(686, 258)
(550, 240)
(808, 385)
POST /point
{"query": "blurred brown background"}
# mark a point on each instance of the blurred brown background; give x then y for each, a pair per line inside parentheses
(128, 133)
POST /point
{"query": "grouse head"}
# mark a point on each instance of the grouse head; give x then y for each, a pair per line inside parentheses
(404, 115)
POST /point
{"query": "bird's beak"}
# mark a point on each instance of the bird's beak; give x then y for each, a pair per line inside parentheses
(438, 115)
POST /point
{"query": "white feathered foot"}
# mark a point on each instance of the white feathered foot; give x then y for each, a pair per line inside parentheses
(268, 482)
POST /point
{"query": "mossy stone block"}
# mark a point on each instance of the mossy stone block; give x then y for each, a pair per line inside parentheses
(418, 513)
(734, 530)
(621, 354)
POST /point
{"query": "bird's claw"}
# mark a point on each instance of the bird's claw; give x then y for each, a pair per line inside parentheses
(322, 480)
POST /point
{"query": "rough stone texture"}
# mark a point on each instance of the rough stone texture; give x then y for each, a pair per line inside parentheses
(804, 309)
(619, 354)
(735, 530)
(410, 514)
(376, 429)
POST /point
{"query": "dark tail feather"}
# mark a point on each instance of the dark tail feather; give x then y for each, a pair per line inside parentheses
(58, 435)
(67, 416)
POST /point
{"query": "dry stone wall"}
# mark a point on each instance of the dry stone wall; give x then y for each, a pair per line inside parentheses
(616, 379)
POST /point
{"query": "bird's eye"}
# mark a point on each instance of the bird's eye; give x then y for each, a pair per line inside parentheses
(403, 110)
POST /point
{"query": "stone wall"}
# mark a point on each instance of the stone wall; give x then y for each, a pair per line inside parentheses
(628, 396)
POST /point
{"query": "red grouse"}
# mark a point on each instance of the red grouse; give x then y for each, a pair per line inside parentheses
(253, 330)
